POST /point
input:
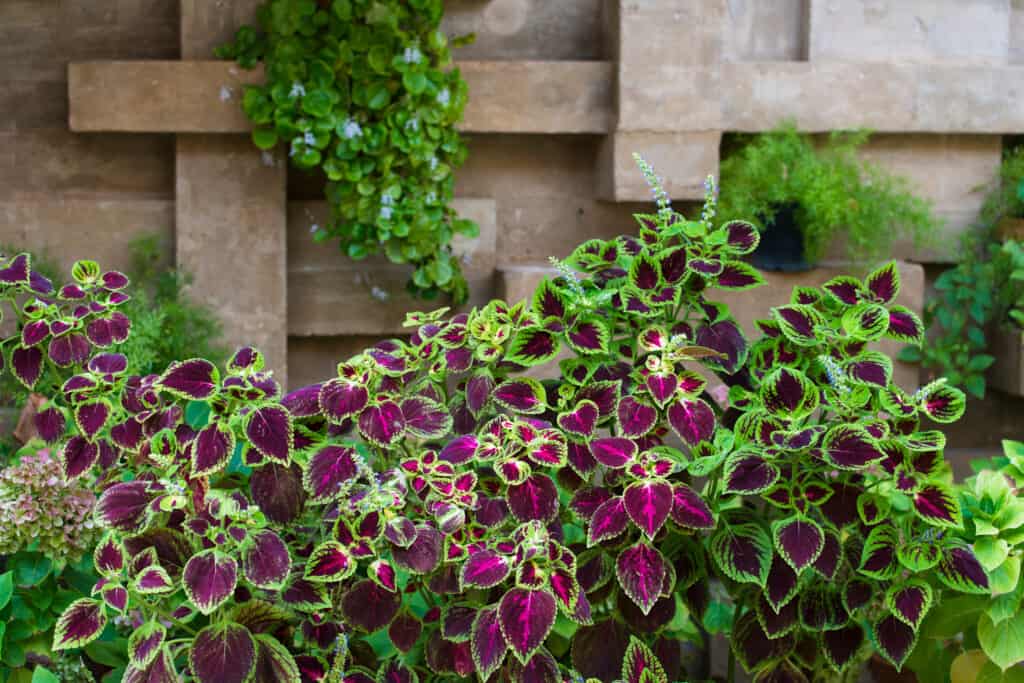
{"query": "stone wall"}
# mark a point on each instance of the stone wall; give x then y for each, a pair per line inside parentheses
(664, 77)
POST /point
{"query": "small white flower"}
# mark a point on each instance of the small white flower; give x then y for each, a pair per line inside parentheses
(385, 213)
(225, 93)
(297, 90)
(412, 55)
(433, 163)
(350, 129)
(412, 124)
(387, 200)
(309, 138)
(313, 228)
(444, 97)
(431, 197)
(379, 294)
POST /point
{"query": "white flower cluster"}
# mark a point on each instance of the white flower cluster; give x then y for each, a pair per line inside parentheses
(656, 184)
(568, 273)
(350, 129)
(412, 55)
(297, 90)
(710, 200)
(836, 375)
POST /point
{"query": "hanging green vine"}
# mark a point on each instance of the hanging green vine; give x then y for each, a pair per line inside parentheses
(362, 89)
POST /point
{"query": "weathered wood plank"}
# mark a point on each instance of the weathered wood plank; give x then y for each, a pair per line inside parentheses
(577, 97)
(539, 97)
(158, 97)
(328, 294)
(203, 96)
(70, 229)
(684, 160)
(885, 97)
(47, 163)
(231, 215)
(231, 227)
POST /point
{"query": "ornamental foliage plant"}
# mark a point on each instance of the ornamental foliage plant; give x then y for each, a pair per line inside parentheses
(47, 527)
(364, 91)
(435, 512)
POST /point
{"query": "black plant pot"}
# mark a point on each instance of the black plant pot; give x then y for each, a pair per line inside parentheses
(782, 242)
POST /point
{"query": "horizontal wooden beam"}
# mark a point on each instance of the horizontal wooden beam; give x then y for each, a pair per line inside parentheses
(539, 97)
(884, 97)
(158, 97)
(578, 97)
(204, 97)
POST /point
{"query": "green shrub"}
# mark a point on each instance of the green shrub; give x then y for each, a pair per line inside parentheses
(985, 288)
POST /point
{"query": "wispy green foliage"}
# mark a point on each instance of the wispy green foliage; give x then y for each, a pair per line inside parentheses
(839, 193)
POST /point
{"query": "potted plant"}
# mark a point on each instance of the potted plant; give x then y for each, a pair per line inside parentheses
(973, 315)
(803, 195)
(1007, 371)
(1006, 201)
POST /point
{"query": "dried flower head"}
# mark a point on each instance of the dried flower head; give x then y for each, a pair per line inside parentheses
(38, 505)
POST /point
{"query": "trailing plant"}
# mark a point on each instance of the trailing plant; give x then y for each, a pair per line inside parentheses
(836, 193)
(434, 512)
(364, 91)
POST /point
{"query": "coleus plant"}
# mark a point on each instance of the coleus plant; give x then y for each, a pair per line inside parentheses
(436, 511)
(46, 526)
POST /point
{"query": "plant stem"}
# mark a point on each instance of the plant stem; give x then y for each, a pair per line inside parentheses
(731, 674)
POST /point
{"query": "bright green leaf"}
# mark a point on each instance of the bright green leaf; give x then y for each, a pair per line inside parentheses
(43, 675)
(1003, 643)
(6, 588)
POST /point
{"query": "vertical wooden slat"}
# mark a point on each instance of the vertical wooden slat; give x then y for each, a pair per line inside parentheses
(231, 209)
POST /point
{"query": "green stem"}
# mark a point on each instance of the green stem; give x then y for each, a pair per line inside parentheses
(731, 674)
